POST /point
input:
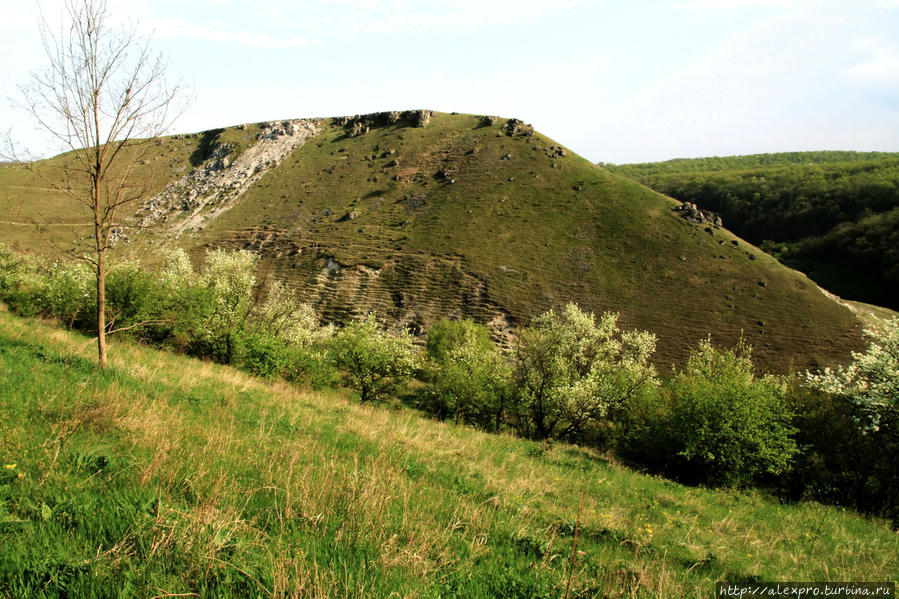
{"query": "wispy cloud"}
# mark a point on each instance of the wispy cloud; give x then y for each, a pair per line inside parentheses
(880, 65)
(735, 4)
(312, 23)
(179, 28)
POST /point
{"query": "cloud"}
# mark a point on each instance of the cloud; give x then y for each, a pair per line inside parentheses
(735, 4)
(880, 65)
(181, 29)
(413, 15)
(277, 24)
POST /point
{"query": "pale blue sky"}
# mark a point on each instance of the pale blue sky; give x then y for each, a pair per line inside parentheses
(616, 81)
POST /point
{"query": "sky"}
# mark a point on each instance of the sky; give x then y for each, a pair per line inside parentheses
(615, 81)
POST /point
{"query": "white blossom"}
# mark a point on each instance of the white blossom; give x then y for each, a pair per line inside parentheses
(872, 379)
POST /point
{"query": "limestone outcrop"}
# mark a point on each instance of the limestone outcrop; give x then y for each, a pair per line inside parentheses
(213, 187)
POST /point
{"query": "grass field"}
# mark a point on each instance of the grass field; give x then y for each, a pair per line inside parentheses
(164, 476)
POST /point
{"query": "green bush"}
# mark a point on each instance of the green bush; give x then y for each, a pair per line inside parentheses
(313, 366)
(32, 286)
(269, 357)
(469, 378)
(840, 461)
(218, 313)
(67, 291)
(373, 361)
(16, 270)
(264, 356)
(716, 423)
(69, 295)
(134, 298)
(448, 335)
(871, 381)
(228, 282)
(182, 308)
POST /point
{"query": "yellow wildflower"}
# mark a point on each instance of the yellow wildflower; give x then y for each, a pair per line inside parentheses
(10, 466)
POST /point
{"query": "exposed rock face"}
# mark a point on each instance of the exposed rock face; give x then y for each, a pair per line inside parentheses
(357, 129)
(694, 214)
(212, 188)
(422, 117)
(516, 127)
(411, 291)
(556, 152)
(118, 235)
(361, 124)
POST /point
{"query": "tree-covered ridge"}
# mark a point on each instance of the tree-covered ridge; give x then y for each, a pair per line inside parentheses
(833, 215)
(749, 161)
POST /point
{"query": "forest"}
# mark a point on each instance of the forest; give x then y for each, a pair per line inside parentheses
(832, 215)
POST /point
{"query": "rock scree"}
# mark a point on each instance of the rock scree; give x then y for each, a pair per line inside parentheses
(194, 200)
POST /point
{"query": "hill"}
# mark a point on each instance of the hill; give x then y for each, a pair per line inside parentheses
(420, 215)
(832, 215)
(171, 475)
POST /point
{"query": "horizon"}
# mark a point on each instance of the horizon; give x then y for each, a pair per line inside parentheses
(616, 84)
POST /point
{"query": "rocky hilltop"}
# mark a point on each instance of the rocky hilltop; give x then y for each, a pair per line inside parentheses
(419, 215)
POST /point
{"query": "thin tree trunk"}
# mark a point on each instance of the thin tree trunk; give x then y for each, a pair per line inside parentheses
(107, 89)
(101, 307)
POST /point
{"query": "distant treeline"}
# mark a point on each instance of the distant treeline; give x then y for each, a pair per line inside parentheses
(833, 215)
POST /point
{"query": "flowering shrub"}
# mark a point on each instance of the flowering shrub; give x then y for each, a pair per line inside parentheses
(871, 381)
(853, 429)
(570, 371)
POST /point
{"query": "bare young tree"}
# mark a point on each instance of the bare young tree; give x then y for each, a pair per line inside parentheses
(105, 98)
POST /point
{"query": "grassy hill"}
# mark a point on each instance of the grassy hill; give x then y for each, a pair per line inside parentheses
(163, 475)
(471, 217)
(832, 215)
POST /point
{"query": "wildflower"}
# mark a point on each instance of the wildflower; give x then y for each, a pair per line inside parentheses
(9, 466)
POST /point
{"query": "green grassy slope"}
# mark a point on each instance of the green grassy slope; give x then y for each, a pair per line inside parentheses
(521, 229)
(459, 218)
(164, 475)
(36, 215)
(832, 215)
